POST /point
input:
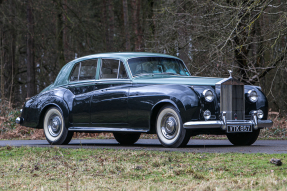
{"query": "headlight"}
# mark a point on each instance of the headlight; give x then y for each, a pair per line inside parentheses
(252, 95)
(260, 114)
(207, 114)
(208, 95)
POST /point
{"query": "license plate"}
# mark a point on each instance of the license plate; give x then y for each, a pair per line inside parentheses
(238, 129)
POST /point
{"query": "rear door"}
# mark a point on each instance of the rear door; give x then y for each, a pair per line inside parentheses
(82, 84)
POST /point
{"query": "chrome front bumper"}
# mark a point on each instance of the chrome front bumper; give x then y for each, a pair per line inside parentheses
(220, 124)
(223, 123)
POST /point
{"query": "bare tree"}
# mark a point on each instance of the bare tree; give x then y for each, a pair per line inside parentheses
(126, 24)
(30, 50)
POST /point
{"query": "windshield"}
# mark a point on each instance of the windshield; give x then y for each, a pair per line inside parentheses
(157, 65)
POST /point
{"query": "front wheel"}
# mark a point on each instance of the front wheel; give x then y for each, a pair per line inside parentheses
(54, 128)
(127, 138)
(241, 139)
(169, 128)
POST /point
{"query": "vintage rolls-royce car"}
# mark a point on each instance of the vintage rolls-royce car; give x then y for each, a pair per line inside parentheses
(133, 93)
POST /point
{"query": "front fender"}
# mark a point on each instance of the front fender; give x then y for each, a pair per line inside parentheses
(185, 100)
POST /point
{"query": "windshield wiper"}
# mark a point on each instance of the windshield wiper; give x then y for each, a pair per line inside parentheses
(147, 74)
(170, 73)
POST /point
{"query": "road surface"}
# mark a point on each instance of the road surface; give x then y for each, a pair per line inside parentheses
(194, 145)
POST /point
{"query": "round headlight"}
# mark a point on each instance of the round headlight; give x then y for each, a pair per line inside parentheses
(252, 95)
(260, 114)
(207, 114)
(208, 95)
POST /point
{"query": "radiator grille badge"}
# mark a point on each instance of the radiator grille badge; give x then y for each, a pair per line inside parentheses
(235, 116)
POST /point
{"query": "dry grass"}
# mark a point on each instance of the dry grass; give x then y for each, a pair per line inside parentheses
(97, 169)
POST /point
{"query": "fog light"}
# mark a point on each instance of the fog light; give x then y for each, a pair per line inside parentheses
(260, 114)
(207, 115)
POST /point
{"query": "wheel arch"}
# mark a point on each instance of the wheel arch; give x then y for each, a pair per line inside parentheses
(45, 109)
(154, 112)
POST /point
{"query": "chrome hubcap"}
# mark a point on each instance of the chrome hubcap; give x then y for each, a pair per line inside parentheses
(54, 125)
(169, 126)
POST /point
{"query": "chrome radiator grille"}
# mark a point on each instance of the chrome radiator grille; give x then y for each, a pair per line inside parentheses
(232, 99)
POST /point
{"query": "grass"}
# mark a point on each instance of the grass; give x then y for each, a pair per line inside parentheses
(53, 168)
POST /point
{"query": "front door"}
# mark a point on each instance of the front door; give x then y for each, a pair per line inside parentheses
(109, 104)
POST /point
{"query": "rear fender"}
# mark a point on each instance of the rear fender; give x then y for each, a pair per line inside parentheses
(35, 108)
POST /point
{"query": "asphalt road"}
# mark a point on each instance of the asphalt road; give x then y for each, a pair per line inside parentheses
(194, 145)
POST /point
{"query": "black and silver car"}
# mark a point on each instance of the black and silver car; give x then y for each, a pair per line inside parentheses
(133, 93)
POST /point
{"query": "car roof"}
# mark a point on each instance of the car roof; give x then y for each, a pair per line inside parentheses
(124, 55)
(62, 77)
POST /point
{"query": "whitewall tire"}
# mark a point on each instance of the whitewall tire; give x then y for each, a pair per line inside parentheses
(54, 127)
(170, 129)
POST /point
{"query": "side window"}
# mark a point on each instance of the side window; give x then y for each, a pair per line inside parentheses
(75, 73)
(88, 69)
(113, 69)
(85, 70)
(122, 73)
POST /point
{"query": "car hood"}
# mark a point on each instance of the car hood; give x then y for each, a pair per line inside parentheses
(184, 80)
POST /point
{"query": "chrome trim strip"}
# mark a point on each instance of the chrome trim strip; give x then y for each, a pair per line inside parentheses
(220, 124)
(106, 129)
(203, 124)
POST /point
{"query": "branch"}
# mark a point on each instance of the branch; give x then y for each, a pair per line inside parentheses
(269, 67)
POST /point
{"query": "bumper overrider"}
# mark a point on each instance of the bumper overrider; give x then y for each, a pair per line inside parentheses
(19, 120)
(222, 124)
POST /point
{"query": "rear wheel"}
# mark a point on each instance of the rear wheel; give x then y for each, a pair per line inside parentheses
(170, 129)
(243, 138)
(127, 138)
(54, 128)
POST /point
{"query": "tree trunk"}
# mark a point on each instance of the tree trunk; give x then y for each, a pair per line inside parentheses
(2, 64)
(140, 28)
(60, 34)
(136, 5)
(66, 51)
(126, 25)
(13, 51)
(30, 51)
(111, 25)
(105, 25)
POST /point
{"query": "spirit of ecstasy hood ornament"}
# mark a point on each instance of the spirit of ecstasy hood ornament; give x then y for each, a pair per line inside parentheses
(230, 72)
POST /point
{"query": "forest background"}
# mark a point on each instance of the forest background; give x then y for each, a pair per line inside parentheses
(38, 37)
